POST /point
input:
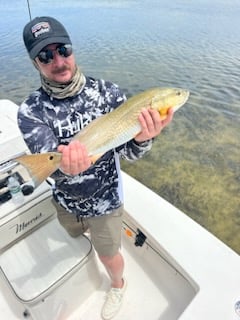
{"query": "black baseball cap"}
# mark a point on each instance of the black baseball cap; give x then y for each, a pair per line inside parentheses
(42, 31)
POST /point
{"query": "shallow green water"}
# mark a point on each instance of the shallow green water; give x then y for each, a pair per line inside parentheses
(195, 166)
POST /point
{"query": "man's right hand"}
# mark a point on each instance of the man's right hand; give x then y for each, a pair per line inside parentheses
(74, 158)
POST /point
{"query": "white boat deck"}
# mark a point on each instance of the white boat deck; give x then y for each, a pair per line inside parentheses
(208, 262)
(146, 297)
(155, 289)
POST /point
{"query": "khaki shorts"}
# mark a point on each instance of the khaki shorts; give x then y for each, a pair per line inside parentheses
(105, 230)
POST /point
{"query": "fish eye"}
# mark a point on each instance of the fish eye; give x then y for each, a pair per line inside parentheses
(178, 93)
(51, 158)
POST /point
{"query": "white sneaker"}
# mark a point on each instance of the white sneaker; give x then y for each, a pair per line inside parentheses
(113, 301)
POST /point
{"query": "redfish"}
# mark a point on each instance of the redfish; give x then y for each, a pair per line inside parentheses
(110, 130)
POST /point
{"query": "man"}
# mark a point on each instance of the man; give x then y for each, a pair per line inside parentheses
(85, 195)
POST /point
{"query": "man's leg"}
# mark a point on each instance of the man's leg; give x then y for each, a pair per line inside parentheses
(106, 238)
(114, 266)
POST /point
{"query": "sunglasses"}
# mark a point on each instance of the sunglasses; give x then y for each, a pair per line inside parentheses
(46, 56)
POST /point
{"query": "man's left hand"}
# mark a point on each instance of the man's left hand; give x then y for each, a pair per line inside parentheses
(152, 124)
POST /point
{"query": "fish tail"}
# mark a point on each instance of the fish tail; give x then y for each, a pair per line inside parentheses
(40, 166)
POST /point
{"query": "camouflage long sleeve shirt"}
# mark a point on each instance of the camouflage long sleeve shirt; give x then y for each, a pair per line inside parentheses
(46, 122)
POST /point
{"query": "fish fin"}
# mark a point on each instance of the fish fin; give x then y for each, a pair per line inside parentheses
(163, 112)
(95, 158)
(163, 117)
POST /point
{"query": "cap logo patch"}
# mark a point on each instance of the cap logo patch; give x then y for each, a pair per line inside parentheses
(40, 28)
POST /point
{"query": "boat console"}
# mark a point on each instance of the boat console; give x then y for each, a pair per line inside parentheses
(17, 219)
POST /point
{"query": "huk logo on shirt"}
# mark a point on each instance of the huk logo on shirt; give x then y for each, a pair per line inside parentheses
(70, 125)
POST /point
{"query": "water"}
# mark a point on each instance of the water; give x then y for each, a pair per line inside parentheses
(195, 163)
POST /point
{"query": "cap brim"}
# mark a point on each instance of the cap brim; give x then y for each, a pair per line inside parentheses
(36, 49)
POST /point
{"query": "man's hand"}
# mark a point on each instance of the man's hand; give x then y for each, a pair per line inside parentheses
(152, 124)
(74, 158)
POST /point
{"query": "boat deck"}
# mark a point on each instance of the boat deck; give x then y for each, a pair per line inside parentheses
(161, 296)
(155, 289)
